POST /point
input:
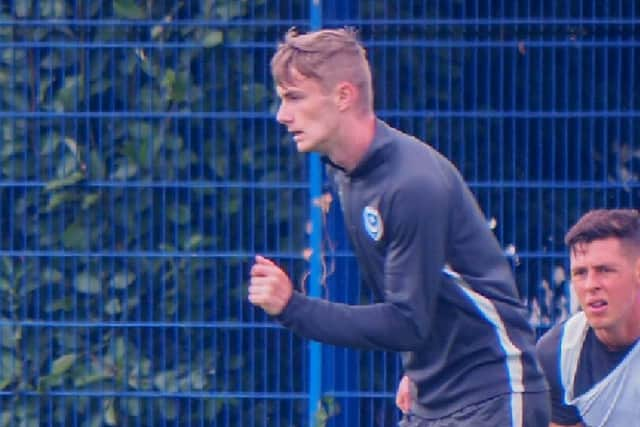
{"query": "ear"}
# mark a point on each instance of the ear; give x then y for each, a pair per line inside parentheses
(346, 95)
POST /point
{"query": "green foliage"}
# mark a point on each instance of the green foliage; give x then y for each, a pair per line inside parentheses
(327, 408)
(140, 168)
(122, 189)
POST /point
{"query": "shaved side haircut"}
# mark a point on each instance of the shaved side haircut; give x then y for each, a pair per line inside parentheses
(623, 224)
(328, 56)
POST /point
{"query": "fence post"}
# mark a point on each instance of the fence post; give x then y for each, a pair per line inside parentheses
(315, 188)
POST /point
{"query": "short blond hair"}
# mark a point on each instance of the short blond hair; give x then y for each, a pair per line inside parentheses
(328, 56)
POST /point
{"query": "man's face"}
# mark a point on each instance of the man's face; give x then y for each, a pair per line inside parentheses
(605, 277)
(308, 112)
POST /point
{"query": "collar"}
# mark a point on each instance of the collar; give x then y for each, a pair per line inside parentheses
(375, 154)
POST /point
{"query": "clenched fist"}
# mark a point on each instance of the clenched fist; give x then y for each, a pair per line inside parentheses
(270, 287)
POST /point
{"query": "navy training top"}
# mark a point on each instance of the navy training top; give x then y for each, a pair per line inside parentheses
(462, 330)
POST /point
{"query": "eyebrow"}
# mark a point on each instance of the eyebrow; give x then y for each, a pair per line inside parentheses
(596, 266)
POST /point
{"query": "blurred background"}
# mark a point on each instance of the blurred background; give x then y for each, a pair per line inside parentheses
(141, 169)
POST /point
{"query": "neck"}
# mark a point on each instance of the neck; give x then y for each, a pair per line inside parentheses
(614, 343)
(354, 138)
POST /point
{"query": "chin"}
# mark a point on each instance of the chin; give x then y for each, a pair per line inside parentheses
(599, 322)
(304, 148)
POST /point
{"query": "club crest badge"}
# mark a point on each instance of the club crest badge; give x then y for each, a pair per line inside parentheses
(372, 223)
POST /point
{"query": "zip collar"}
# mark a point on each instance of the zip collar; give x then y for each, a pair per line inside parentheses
(375, 154)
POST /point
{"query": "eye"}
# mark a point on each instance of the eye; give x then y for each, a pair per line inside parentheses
(293, 96)
(577, 274)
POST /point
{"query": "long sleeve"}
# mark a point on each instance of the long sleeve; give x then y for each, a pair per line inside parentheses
(410, 276)
(374, 326)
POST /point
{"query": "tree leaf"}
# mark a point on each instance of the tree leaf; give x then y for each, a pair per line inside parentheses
(64, 304)
(69, 95)
(87, 283)
(52, 9)
(10, 367)
(58, 199)
(193, 242)
(122, 280)
(132, 302)
(194, 381)
(5, 285)
(231, 10)
(22, 8)
(89, 200)
(8, 336)
(50, 144)
(113, 307)
(96, 168)
(128, 9)
(110, 417)
(168, 408)
(72, 145)
(63, 363)
(91, 378)
(51, 275)
(212, 38)
(166, 381)
(75, 237)
(125, 169)
(68, 180)
(180, 214)
(9, 148)
(132, 406)
(172, 142)
(6, 265)
(180, 87)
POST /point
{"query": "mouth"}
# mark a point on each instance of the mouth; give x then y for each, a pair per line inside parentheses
(597, 305)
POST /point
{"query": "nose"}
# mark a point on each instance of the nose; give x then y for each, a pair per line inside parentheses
(591, 282)
(283, 116)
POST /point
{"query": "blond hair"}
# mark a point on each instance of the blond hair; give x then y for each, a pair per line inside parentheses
(328, 56)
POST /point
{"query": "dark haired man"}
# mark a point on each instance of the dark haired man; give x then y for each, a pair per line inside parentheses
(592, 361)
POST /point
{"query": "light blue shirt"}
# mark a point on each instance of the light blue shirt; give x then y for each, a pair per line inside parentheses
(612, 402)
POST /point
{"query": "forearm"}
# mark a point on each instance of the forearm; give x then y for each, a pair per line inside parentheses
(376, 326)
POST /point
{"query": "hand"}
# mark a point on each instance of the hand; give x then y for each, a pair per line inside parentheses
(270, 287)
(403, 395)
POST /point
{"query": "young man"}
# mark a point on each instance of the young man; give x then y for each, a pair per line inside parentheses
(592, 361)
(467, 349)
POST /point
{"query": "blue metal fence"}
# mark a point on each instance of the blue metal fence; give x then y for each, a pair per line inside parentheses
(141, 168)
